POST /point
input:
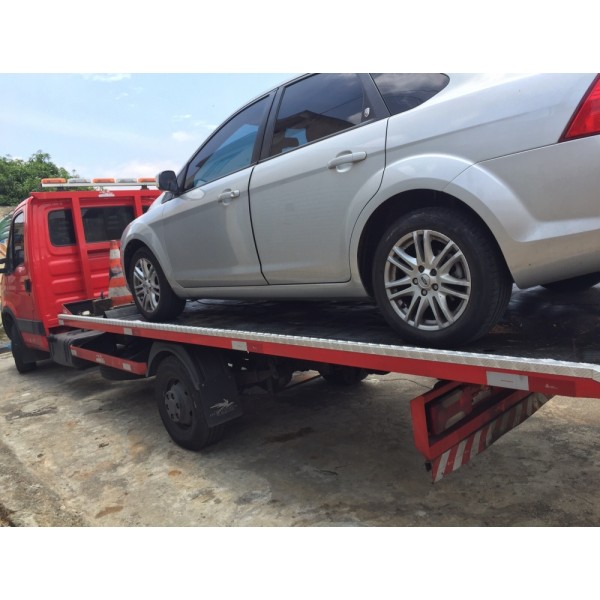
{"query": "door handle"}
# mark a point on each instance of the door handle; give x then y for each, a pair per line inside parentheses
(228, 195)
(349, 157)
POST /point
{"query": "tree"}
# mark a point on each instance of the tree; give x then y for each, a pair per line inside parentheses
(18, 178)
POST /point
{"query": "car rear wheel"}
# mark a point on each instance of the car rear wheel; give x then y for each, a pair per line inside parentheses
(439, 279)
(152, 294)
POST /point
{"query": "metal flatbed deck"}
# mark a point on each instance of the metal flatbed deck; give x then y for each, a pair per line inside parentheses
(546, 342)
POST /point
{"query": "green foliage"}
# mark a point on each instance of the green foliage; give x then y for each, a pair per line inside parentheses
(18, 178)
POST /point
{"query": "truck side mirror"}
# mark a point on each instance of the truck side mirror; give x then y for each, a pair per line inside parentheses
(167, 182)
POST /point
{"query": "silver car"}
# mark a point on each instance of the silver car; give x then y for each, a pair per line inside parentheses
(429, 193)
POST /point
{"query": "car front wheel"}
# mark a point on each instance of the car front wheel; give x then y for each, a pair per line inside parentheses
(439, 279)
(152, 294)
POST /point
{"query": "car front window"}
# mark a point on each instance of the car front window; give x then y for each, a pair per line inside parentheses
(230, 149)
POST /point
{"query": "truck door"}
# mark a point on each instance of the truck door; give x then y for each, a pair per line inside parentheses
(17, 292)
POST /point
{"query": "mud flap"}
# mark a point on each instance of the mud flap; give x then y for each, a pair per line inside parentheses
(218, 388)
(211, 376)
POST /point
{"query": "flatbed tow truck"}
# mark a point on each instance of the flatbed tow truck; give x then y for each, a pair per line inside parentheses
(547, 343)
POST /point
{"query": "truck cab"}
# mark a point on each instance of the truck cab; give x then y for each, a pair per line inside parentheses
(57, 255)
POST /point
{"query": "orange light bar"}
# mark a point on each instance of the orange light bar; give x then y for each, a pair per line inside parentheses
(51, 180)
(146, 180)
(103, 180)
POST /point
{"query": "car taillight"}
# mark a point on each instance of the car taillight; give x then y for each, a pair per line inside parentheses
(586, 120)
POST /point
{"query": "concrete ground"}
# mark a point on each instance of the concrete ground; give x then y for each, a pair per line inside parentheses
(77, 450)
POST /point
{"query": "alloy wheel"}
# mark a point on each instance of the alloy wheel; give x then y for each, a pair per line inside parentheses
(427, 280)
(146, 285)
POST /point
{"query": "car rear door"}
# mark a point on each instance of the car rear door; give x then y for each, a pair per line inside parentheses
(324, 158)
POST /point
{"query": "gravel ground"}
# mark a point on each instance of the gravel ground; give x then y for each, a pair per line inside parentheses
(77, 450)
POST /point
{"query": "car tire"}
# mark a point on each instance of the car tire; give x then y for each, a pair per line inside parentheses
(439, 279)
(574, 284)
(151, 291)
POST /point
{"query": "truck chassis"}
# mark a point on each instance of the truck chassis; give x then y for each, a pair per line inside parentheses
(209, 355)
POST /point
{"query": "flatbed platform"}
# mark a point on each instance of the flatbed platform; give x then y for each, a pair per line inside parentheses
(546, 342)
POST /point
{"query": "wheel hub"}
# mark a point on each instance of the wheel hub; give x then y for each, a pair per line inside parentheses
(178, 403)
(427, 280)
(145, 284)
(424, 281)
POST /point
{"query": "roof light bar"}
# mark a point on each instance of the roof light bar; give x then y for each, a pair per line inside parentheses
(97, 181)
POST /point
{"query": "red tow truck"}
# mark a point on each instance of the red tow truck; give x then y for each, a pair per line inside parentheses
(56, 305)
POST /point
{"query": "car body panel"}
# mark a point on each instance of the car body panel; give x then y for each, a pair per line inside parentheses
(546, 219)
(210, 238)
(303, 212)
(487, 141)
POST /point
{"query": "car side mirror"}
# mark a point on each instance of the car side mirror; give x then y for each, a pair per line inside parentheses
(167, 182)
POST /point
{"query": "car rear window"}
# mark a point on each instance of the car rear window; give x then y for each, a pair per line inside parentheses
(316, 107)
(404, 91)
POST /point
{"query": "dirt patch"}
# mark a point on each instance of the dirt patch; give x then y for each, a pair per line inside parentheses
(5, 518)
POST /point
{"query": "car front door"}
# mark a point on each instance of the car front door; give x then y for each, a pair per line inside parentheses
(325, 161)
(207, 230)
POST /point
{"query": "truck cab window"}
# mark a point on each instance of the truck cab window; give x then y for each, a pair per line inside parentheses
(60, 227)
(102, 224)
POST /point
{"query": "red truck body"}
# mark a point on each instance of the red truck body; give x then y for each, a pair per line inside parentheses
(58, 254)
(56, 274)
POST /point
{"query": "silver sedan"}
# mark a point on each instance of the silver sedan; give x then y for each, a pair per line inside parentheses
(429, 193)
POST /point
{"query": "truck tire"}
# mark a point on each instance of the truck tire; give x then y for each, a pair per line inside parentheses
(180, 407)
(439, 279)
(151, 291)
(19, 351)
(341, 375)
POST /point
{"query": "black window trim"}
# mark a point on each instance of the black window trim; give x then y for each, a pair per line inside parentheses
(10, 244)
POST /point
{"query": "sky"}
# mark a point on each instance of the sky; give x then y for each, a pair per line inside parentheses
(123, 92)
(127, 93)
(119, 124)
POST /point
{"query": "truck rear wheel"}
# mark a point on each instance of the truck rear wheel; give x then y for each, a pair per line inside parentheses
(341, 375)
(19, 351)
(180, 407)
